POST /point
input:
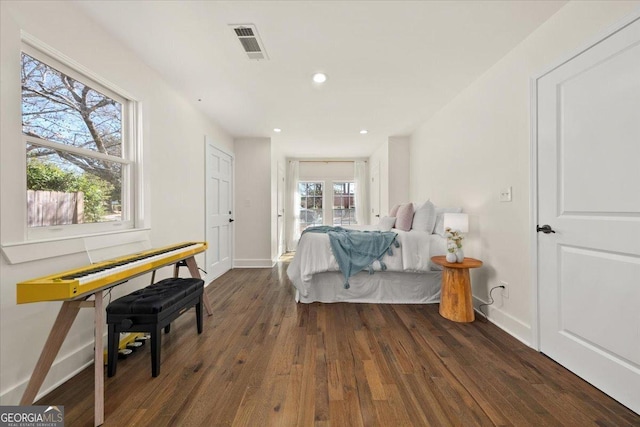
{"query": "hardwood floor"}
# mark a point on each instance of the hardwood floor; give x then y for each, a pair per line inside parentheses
(264, 360)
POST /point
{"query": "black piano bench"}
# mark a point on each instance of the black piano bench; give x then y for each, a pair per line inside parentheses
(149, 310)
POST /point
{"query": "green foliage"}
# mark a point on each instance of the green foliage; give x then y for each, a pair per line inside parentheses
(50, 177)
(47, 177)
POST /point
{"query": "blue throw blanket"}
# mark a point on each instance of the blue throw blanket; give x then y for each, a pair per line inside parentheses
(356, 250)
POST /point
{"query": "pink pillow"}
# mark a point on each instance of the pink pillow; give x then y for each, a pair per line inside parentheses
(404, 217)
(394, 210)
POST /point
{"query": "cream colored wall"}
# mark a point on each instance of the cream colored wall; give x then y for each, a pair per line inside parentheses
(380, 159)
(173, 145)
(253, 214)
(321, 171)
(479, 144)
(399, 170)
(278, 161)
(392, 157)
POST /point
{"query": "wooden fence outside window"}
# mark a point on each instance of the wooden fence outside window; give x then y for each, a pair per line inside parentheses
(46, 208)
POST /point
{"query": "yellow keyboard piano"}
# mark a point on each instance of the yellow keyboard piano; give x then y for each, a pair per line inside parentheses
(75, 287)
(77, 283)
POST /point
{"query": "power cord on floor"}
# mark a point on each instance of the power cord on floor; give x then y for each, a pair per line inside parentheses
(486, 316)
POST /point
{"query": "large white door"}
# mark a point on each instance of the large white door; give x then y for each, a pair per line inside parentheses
(219, 205)
(589, 195)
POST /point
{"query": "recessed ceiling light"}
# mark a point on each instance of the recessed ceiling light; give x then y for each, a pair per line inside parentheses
(319, 77)
(364, 132)
(278, 130)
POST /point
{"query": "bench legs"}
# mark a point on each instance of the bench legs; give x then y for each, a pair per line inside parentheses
(155, 331)
(199, 315)
(113, 340)
(156, 342)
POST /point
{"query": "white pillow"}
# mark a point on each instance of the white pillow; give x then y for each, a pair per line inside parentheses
(439, 227)
(424, 218)
(386, 223)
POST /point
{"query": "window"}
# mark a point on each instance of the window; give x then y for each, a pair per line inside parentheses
(310, 204)
(79, 154)
(344, 208)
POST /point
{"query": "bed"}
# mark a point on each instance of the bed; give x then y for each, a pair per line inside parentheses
(409, 277)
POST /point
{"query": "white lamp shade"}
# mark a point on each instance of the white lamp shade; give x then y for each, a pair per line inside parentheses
(457, 221)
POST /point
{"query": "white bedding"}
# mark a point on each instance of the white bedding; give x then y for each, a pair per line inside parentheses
(382, 287)
(314, 256)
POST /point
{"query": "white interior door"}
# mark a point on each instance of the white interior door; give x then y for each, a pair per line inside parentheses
(589, 194)
(219, 203)
(280, 208)
(375, 194)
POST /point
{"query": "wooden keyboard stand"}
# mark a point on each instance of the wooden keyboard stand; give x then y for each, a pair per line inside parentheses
(60, 329)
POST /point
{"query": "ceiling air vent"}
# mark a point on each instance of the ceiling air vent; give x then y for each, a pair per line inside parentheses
(248, 37)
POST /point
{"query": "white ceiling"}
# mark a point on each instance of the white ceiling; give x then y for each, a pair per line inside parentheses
(391, 64)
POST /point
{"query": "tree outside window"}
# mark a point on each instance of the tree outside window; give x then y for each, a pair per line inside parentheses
(76, 163)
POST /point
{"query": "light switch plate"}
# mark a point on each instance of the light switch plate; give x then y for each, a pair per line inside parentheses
(505, 194)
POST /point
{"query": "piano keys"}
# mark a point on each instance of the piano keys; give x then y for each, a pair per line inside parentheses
(82, 282)
(75, 287)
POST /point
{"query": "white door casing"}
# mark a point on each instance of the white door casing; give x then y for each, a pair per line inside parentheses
(588, 192)
(375, 194)
(280, 209)
(219, 206)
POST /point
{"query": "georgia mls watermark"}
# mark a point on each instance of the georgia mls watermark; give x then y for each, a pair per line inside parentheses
(31, 416)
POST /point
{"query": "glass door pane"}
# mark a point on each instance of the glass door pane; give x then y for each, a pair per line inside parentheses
(343, 203)
(310, 204)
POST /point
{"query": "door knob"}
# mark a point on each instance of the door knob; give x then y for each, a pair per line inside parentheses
(546, 229)
(231, 220)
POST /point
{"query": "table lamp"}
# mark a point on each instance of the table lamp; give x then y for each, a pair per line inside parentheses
(457, 221)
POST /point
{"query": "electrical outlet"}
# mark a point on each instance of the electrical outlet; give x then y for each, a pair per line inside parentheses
(505, 194)
(505, 290)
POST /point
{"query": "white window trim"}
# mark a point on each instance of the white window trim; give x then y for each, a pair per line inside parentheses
(132, 126)
(332, 197)
(324, 196)
(327, 196)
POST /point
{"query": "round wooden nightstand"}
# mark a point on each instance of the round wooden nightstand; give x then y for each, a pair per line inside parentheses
(455, 296)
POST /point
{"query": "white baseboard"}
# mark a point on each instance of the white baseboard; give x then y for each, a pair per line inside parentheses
(253, 263)
(506, 322)
(62, 370)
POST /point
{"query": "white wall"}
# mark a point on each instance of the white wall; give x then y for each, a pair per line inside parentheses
(173, 145)
(330, 171)
(253, 213)
(479, 143)
(278, 161)
(380, 159)
(399, 170)
(392, 157)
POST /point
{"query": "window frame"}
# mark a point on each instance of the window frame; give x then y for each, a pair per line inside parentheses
(352, 184)
(323, 187)
(132, 200)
